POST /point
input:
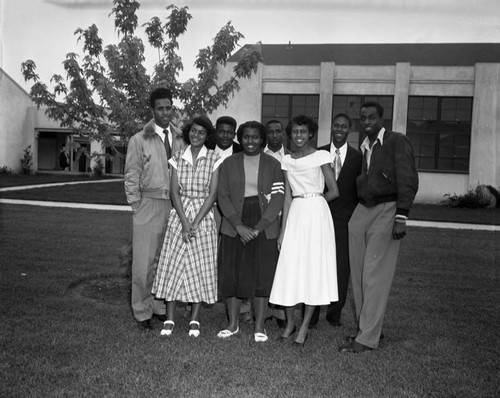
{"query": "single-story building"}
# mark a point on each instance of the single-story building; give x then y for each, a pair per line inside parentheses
(445, 97)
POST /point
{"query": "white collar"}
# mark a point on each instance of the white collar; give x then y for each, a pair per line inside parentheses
(160, 130)
(365, 146)
(188, 155)
(280, 152)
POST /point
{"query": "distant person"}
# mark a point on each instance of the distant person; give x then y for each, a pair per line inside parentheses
(187, 269)
(275, 148)
(63, 159)
(250, 195)
(147, 188)
(306, 271)
(386, 189)
(346, 163)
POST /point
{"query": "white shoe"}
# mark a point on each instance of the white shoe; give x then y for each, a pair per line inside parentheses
(260, 337)
(167, 332)
(194, 332)
(224, 334)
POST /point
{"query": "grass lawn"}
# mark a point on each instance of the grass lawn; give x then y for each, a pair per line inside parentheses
(441, 325)
(112, 193)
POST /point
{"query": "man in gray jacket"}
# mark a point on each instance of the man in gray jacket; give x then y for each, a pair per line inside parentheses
(147, 184)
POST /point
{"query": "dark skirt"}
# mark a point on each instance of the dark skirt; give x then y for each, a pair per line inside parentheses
(247, 271)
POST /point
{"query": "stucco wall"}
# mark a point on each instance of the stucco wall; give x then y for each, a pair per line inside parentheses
(16, 127)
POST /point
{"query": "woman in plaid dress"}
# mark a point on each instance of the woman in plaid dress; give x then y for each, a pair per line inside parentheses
(187, 268)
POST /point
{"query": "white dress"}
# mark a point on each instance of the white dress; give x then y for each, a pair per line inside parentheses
(307, 265)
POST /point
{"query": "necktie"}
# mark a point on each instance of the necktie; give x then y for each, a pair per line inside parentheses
(168, 150)
(337, 164)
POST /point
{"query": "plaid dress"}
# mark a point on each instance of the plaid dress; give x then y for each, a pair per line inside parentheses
(188, 271)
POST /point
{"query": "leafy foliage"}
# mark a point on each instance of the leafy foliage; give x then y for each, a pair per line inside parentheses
(479, 197)
(105, 92)
(27, 160)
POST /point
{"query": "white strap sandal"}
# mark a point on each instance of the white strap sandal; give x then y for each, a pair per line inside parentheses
(194, 332)
(260, 337)
(165, 331)
(224, 334)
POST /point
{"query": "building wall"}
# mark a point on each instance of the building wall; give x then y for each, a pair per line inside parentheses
(482, 82)
(15, 123)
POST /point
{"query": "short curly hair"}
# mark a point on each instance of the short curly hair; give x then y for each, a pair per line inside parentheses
(253, 124)
(159, 93)
(302, 120)
(203, 121)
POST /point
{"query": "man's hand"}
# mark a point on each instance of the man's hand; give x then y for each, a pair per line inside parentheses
(399, 229)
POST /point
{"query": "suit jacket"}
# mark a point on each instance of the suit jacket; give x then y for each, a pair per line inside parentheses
(231, 191)
(343, 206)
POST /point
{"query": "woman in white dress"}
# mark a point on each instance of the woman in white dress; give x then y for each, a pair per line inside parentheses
(307, 267)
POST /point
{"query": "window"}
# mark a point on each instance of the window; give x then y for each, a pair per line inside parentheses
(351, 104)
(284, 107)
(440, 129)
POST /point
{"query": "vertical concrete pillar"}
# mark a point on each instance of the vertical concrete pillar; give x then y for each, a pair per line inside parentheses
(401, 92)
(485, 134)
(97, 147)
(325, 102)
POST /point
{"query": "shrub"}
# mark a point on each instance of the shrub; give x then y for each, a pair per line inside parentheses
(98, 169)
(26, 160)
(481, 196)
(5, 170)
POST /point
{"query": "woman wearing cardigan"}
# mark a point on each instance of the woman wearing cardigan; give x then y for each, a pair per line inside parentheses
(250, 195)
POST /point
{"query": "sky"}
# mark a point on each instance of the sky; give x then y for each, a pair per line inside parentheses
(43, 30)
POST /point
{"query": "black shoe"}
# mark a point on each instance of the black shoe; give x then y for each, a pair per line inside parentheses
(334, 322)
(160, 317)
(301, 345)
(350, 339)
(281, 323)
(282, 339)
(354, 348)
(145, 325)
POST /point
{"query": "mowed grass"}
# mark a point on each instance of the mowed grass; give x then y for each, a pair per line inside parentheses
(113, 193)
(441, 324)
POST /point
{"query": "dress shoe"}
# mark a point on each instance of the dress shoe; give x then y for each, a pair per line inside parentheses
(300, 344)
(285, 338)
(354, 348)
(260, 337)
(351, 338)
(145, 325)
(194, 329)
(160, 317)
(334, 322)
(167, 331)
(224, 334)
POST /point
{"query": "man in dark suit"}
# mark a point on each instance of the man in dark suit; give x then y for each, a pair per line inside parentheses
(347, 166)
(386, 188)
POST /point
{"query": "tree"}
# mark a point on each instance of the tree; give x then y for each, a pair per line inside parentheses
(106, 93)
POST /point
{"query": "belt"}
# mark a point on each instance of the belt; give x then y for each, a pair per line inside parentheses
(308, 195)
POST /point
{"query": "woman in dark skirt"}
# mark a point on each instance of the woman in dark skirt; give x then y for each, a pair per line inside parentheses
(250, 196)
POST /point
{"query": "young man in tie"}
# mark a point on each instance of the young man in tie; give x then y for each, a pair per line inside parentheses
(147, 184)
(346, 166)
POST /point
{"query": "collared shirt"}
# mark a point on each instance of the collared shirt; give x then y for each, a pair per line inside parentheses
(159, 131)
(188, 157)
(224, 153)
(365, 146)
(278, 155)
(343, 152)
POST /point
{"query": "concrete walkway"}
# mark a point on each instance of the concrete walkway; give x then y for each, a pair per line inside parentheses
(411, 223)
